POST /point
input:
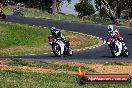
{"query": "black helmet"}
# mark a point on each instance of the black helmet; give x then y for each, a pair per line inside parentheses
(52, 28)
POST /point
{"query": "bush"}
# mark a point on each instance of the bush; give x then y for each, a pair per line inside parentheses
(84, 9)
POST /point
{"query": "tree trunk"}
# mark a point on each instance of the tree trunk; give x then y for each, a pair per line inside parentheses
(130, 2)
(54, 7)
(108, 10)
(118, 12)
(82, 19)
(130, 5)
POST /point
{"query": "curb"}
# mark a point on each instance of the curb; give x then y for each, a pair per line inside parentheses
(100, 43)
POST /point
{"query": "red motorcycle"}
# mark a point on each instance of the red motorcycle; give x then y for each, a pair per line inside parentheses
(117, 47)
(2, 15)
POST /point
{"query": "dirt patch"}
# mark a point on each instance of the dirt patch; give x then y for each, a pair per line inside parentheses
(97, 67)
(34, 69)
(100, 68)
(4, 66)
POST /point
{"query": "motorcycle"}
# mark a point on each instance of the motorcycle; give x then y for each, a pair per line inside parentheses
(61, 48)
(2, 15)
(117, 47)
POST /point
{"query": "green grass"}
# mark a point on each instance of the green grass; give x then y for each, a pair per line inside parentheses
(33, 12)
(19, 79)
(18, 39)
(19, 35)
(24, 79)
(22, 39)
(42, 64)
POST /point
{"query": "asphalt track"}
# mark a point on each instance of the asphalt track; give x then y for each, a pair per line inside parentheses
(97, 54)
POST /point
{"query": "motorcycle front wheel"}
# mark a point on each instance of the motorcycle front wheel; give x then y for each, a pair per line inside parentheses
(56, 51)
(114, 50)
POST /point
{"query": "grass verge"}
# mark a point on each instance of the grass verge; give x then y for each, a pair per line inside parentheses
(41, 64)
(17, 39)
(14, 78)
(19, 79)
(33, 12)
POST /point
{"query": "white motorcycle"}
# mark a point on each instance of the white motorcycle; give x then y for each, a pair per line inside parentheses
(61, 48)
(117, 48)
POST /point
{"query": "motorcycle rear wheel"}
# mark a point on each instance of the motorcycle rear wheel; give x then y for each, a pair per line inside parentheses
(69, 52)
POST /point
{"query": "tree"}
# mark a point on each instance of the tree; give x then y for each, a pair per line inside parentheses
(54, 7)
(56, 4)
(119, 6)
(45, 5)
(130, 4)
(116, 6)
(84, 9)
(99, 8)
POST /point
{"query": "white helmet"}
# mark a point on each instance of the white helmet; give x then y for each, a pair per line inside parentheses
(110, 28)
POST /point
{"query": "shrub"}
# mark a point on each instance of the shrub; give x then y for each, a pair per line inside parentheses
(84, 9)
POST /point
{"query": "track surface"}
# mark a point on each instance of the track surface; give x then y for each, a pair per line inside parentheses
(97, 54)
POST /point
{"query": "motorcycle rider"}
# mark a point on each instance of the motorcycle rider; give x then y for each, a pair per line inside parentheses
(114, 34)
(56, 33)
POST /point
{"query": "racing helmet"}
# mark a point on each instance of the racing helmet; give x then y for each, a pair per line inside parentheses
(110, 28)
(57, 31)
(54, 30)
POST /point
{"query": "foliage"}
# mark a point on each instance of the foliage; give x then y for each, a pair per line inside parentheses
(44, 5)
(117, 6)
(84, 9)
